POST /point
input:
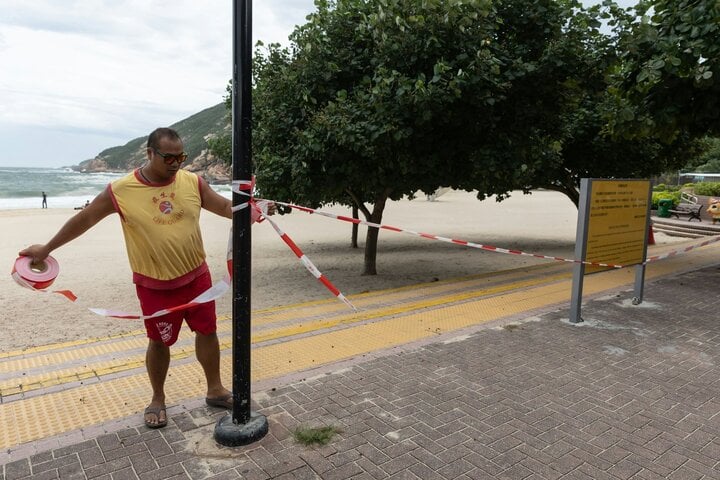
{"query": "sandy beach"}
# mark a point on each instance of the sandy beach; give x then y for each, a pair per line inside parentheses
(95, 266)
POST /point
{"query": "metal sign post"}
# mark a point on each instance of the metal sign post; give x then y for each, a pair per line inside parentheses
(580, 250)
(639, 289)
(243, 426)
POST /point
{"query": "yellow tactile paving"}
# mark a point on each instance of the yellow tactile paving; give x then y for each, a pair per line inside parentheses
(346, 319)
(54, 413)
(76, 373)
(58, 346)
(129, 362)
(319, 349)
(52, 358)
(306, 353)
(395, 296)
(22, 359)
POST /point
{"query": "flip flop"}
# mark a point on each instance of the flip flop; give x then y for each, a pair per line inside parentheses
(221, 402)
(155, 411)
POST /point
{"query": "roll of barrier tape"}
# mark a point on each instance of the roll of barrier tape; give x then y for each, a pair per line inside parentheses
(37, 276)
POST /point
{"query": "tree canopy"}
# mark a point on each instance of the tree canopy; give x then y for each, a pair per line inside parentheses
(667, 82)
(570, 140)
(377, 99)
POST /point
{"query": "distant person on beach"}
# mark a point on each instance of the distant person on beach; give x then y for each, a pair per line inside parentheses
(44, 201)
(159, 207)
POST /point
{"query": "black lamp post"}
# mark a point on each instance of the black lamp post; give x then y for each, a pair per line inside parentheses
(243, 426)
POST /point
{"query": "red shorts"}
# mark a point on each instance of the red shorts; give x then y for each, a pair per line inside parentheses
(165, 329)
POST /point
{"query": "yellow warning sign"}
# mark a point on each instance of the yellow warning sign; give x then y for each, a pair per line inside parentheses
(617, 222)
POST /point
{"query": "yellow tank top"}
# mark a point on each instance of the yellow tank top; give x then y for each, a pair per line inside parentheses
(162, 229)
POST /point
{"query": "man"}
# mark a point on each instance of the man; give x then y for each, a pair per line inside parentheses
(159, 206)
(44, 200)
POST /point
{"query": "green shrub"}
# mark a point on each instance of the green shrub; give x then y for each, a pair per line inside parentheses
(711, 189)
(674, 196)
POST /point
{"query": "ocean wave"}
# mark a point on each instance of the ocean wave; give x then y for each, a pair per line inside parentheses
(53, 202)
(22, 188)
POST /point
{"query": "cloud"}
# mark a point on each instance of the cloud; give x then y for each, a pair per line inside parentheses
(120, 68)
(122, 65)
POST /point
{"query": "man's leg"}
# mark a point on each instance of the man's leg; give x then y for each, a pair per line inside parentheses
(203, 321)
(157, 362)
(207, 350)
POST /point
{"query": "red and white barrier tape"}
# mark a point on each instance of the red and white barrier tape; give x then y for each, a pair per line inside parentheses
(310, 266)
(259, 207)
(430, 236)
(26, 275)
(675, 253)
(213, 293)
(40, 276)
(23, 276)
(259, 213)
(481, 246)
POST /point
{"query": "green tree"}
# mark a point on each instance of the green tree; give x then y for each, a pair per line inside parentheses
(377, 99)
(709, 160)
(374, 101)
(221, 144)
(568, 139)
(549, 60)
(668, 81)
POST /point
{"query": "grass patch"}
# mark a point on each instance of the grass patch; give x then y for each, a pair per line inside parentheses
(314, 436)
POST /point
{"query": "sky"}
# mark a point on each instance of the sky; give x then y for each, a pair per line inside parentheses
(80, 76)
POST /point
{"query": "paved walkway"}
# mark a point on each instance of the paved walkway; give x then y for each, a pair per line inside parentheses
(631, 393)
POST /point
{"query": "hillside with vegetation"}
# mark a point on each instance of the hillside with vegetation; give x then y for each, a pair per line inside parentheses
(195, 131)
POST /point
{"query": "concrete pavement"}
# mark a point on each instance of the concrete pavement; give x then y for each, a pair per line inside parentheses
(631, 393)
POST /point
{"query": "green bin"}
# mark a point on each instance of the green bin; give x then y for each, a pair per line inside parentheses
(664, 206)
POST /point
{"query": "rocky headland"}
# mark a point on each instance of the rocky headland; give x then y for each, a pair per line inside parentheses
(207, 165)
(195, 131)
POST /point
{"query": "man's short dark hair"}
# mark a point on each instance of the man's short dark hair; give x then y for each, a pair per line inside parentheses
(162, 132)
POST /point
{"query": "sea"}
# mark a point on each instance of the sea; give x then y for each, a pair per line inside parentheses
(22, 187)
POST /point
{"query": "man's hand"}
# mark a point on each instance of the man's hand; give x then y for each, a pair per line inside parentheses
(271, 208)
(37, 252)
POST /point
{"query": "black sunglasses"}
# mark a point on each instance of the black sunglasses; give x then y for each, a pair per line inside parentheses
(170, 158)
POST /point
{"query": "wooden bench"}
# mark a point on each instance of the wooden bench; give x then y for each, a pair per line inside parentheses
(689, 209)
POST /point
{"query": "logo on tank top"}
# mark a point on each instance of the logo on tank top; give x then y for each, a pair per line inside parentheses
(167, 209)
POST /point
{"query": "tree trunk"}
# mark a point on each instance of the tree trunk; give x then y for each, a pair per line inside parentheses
(372, 235)
(572, 193)
(568, 189)
(354, 236)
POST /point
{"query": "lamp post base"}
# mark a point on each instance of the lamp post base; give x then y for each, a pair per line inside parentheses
(231, 434)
